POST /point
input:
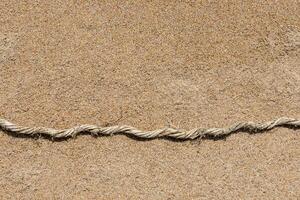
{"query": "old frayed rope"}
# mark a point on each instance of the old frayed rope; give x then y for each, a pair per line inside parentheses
(159, 133)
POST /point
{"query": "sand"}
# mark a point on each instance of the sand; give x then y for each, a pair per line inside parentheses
(149, 64)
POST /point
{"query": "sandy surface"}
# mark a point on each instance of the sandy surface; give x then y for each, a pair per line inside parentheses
(192, 64)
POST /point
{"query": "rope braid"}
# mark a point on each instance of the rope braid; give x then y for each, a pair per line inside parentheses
(168, 132)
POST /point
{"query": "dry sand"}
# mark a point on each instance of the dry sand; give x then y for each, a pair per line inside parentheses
(194, 64)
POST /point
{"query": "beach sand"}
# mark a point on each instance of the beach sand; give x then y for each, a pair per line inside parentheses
(150, 64)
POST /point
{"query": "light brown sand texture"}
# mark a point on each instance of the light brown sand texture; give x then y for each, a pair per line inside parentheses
(148, 64)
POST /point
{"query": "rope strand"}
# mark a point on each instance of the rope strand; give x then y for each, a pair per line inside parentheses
(169, 132)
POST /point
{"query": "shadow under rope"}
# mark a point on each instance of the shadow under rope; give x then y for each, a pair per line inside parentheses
(206, 137)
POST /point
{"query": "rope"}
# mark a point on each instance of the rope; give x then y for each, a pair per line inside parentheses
(167, 132)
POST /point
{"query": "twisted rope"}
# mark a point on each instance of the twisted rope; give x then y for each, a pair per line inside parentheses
(168, 132)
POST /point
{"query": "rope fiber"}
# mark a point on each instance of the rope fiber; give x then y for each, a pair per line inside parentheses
(167, 132)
